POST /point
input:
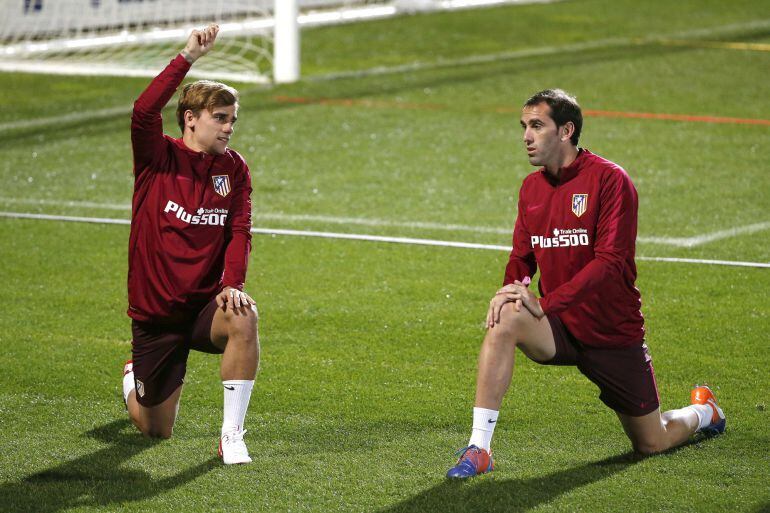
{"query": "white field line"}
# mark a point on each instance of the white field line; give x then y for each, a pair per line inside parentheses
(378, 238)
(422, 225)
(73, 219)
(690, 242)
(545, 50)
(682, 242)
(702, 261)
(72, 117)
(279, 216)
(472, 60)
(74, 68)
(64, 203)
(373, 238)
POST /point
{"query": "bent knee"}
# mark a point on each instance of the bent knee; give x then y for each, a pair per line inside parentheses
(247, 316)
(242, 323)
(511, 319)
(650, 448)
(163, 434)
(506, 330)
(150, 431)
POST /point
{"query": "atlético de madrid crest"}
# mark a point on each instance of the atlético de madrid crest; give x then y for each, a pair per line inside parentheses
(221, 184)
(579, 204)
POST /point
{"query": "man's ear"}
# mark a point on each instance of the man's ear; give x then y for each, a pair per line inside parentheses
(190, 119)
(566, 131)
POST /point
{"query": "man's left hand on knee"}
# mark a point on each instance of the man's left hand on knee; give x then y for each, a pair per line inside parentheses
(236, 299)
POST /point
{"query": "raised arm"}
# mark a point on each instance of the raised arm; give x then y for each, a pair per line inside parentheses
(146, 121)
(200, 43)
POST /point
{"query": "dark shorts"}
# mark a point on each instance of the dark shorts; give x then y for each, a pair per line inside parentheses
(624, 375)
(160, 353)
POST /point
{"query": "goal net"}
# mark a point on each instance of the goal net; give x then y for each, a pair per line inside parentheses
(132, 37)
(138, 37)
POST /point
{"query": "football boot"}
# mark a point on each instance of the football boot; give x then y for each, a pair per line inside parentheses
(232, 449)
(473, 461)
(702, 394)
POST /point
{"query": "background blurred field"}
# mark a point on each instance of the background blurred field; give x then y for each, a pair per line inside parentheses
(369, 348)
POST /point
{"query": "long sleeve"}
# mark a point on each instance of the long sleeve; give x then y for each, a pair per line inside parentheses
(614, 245)
(521, 262)
(239, 236)
(146, 122)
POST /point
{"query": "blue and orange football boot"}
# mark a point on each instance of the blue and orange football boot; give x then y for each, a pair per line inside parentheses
(702, 394)
(473, 461)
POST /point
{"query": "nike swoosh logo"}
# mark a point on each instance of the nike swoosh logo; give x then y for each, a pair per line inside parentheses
(229, 388)
(492, 421)
(535, 207)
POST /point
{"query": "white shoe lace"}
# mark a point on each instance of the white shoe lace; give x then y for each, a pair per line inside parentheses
(233, 446)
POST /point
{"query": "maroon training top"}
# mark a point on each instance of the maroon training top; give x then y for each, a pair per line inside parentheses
(191, 214)
(581, 231)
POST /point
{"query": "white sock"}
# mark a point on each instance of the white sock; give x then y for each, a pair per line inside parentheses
(237, 395)
(704, 413)
(128, 385)
(484, 422)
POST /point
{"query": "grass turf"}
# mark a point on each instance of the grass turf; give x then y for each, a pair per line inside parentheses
(369, 349)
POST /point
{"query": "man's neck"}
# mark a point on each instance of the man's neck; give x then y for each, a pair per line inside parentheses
(566, 158)
(189, 141)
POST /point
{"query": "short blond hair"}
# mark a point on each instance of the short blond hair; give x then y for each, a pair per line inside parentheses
(204, 94)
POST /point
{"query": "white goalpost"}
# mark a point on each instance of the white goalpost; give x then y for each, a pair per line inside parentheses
(259, 40)
(286, 48)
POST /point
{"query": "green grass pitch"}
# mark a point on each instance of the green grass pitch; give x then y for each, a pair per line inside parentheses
(369, 349)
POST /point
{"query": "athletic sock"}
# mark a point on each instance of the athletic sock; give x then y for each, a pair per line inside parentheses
(704, 412)
(237, 395)
(484, 422)
(128, 385)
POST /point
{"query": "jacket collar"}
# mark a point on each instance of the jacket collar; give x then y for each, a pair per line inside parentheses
(570, 171)
(202, 155)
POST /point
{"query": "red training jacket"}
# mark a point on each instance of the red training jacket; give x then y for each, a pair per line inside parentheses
(191, 214)
(581, 231)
